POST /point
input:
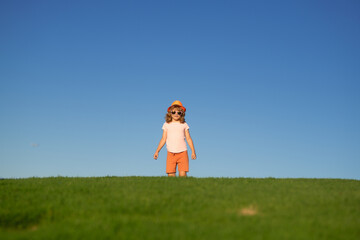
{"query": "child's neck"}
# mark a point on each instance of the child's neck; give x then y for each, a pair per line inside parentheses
(175, 121)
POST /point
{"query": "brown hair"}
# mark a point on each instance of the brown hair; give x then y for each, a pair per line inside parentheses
(168, 117)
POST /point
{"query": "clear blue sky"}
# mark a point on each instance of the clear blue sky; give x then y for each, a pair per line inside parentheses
(271, 87)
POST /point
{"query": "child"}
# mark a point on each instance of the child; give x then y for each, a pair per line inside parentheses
(175, 130)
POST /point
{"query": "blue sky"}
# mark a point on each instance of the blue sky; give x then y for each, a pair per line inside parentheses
(271, 87)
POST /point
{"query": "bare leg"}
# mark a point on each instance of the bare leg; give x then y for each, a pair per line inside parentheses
(182, 174)
(171, 175)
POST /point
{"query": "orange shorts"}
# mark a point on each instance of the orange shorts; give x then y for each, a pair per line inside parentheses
(181, 159)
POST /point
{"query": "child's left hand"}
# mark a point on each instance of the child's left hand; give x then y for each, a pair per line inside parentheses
(193, 156)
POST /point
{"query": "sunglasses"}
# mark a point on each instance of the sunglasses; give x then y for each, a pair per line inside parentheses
(179, 113)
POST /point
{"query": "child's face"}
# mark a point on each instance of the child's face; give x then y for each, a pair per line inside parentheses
(176, 114)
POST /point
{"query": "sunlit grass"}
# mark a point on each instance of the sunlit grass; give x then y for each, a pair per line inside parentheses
(179, 208)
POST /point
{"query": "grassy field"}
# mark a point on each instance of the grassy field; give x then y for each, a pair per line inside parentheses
(179, 208)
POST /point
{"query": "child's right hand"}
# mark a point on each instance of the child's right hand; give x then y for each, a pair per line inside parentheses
(156, 155)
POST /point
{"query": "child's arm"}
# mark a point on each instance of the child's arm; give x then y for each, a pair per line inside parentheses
(161, 144)
(191, 144)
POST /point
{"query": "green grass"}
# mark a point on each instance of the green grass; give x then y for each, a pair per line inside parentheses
(179, 208)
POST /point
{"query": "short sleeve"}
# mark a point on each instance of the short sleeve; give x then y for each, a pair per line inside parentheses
(164, 127)
(186, 126)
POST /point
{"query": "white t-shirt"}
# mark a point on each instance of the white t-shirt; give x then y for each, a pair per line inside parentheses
(175, 141)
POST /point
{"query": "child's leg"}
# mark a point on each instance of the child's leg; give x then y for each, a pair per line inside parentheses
(183, 164)
(171, 164)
